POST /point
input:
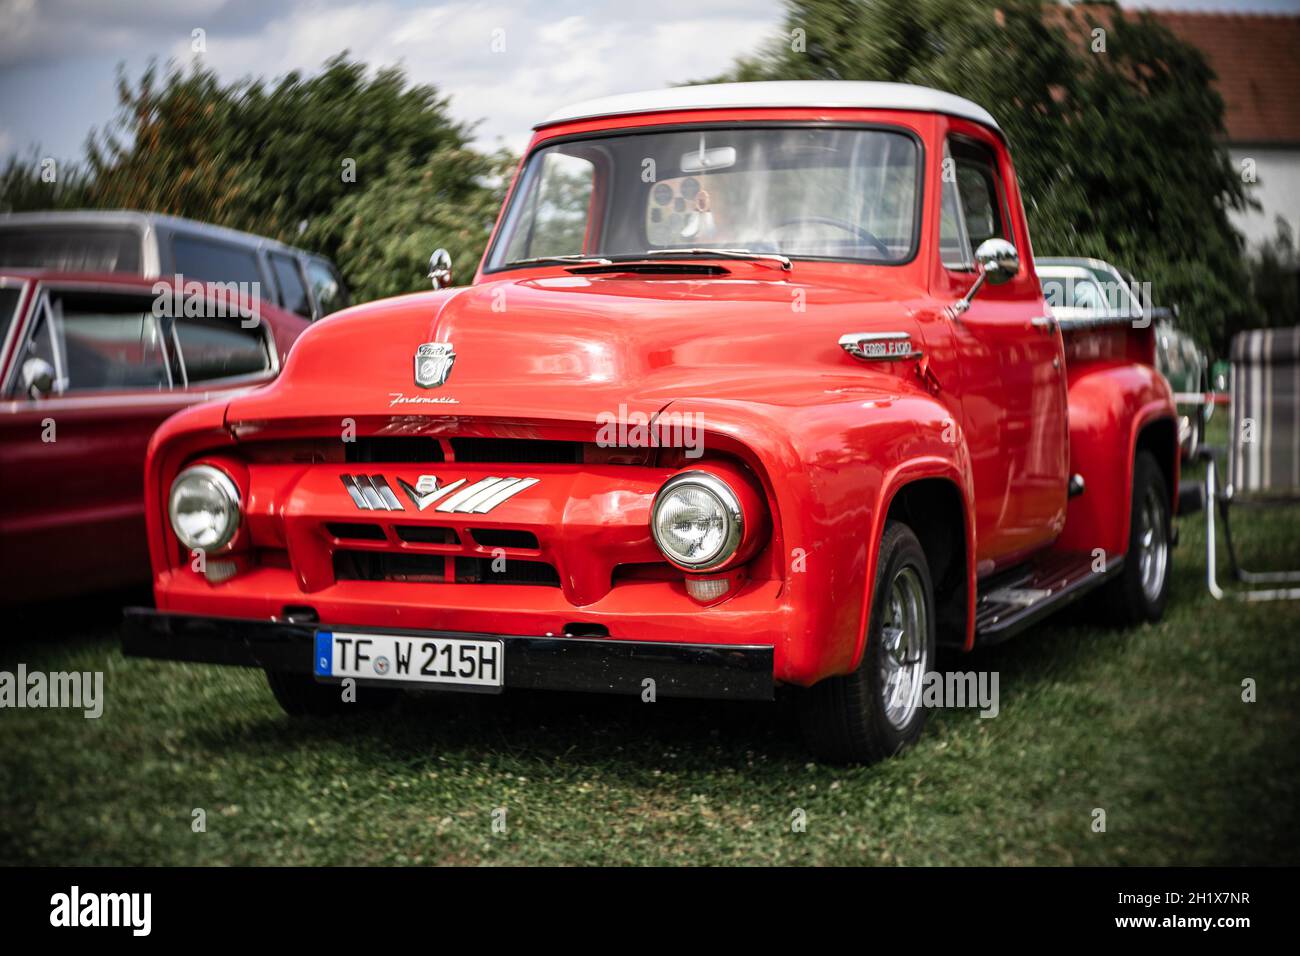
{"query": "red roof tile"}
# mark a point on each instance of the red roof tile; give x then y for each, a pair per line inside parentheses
(1257, 59)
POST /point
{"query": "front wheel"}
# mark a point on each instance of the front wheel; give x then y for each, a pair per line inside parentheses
(875, 712)
(1141, 591)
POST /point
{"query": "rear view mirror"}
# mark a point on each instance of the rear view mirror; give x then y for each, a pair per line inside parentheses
(705, 160)
(998, 260)
(440, 268)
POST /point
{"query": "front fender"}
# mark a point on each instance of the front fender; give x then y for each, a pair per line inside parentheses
(831, 469)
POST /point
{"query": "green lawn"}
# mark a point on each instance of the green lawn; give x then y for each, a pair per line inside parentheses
(1146, 724)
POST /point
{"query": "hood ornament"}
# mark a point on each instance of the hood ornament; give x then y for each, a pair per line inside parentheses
(433, 361)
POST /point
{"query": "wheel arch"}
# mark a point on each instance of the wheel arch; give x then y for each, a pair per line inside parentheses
(932, 497)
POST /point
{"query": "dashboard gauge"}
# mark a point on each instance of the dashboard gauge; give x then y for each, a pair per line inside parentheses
(663, 194)
(689, 188)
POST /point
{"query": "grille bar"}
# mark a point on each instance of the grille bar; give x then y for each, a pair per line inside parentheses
(371, 493)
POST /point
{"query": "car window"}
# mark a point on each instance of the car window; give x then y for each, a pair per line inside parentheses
(214, 348)
(805, 191)
(100, 342)
(71, 248)
(210, 261)
(326, 286)
(971, 172)
(9, 296)
(293, 293)
(555, 221)
(954, 247)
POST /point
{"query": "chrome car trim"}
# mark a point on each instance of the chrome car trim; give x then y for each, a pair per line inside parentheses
(373, 493)
(502, 493)
(422, 499)
(879, 346)
(730, 503)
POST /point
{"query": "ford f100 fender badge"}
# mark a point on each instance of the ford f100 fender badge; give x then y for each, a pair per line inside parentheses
(433, 361)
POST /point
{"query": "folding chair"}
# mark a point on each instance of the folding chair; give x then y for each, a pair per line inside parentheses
(1263, 456)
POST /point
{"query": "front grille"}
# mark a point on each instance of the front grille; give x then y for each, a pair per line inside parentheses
(517, 450)
(426, 534)
(355, 531)
(435, 568)
(513, 571)
(394, 448)
(504, 538)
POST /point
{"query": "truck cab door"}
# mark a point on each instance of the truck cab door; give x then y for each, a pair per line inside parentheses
(1011, 357)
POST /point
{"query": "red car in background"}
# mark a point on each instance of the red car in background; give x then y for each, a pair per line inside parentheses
(90, 365)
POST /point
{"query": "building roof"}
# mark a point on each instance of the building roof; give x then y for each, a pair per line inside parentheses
(1255, 57)
(830, 94)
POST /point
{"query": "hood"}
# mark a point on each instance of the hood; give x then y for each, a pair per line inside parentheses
(569, 347)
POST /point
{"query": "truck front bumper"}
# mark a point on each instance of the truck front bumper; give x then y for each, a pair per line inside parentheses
(601, 665)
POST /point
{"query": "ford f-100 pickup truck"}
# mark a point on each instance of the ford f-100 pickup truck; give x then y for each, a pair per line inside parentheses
(754, 387)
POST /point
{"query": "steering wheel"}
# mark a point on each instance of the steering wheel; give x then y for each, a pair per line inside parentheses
(844, 224)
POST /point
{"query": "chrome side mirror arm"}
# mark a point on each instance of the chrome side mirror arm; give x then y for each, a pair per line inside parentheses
(996, 261)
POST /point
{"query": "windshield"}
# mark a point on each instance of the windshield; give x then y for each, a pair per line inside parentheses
(796, 191)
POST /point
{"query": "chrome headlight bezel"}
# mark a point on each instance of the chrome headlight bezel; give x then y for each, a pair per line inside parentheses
(229, 493)
(729, 508)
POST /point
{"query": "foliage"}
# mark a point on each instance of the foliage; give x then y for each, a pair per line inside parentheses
(1118, 151)
(388, 230)
(24, 184)
(334, 162)
(1275, 279)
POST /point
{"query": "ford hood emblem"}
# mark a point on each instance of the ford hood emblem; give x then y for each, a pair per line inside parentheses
(433, 361)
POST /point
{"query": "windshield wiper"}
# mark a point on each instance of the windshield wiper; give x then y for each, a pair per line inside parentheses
(705, 253)
(561, 260)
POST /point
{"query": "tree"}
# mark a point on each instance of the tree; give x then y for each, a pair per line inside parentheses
(1117, 143)
(390, 228)
(356, 166)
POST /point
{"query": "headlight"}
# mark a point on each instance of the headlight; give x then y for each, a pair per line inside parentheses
(204, 508)
(697, 521)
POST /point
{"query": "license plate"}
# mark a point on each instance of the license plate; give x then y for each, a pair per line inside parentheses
(467, 662)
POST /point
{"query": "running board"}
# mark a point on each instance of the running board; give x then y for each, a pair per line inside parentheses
(1010, 602)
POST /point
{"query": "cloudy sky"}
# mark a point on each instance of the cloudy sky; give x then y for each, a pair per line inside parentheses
(58, 57)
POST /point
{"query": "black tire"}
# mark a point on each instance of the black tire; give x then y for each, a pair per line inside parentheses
(844, 718)
(1133, 597)
(300, 696)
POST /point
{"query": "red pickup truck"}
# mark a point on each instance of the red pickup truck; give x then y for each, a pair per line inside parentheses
(754, 386)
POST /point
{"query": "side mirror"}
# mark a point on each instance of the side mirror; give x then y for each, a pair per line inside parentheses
(996, 261)
(440, 268)
(37, 378)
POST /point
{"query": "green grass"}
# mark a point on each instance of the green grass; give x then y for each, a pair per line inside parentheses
(1147, 724)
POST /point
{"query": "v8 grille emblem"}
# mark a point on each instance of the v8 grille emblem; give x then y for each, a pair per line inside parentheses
(373, 493)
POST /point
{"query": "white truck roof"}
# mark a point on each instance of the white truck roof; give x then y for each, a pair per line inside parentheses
(830, 94)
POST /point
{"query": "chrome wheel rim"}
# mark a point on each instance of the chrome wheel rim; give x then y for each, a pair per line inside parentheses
(1153, 545)
(903, 634)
